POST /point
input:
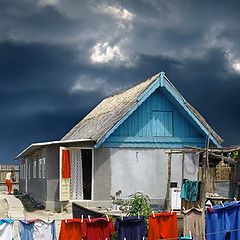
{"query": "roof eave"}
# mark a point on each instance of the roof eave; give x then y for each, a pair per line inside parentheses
(44, 144)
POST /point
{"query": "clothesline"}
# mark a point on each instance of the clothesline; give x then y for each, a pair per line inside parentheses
(194, 236)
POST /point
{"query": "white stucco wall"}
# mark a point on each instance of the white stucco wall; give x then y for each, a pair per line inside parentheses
(146, 170)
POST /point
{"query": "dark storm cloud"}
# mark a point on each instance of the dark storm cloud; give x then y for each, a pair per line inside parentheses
(58, 59)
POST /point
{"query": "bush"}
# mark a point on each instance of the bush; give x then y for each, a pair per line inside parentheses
(139, 204)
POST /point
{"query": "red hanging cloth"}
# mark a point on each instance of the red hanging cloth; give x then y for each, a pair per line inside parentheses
(66, 167)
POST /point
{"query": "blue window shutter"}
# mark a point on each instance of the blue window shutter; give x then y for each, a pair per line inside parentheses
(162, 123)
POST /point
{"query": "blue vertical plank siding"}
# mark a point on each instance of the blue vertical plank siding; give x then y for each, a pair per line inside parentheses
(157, 122)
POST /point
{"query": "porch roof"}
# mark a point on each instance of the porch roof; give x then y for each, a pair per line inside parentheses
(31, 149)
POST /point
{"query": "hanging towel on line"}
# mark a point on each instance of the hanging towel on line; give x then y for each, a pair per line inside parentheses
(131, 227)
(73, 229)
(99, 228)
(6, 229)
(185, 238)
(222, 222)
(194, 222)
(37, 230)
(162, 225)
(189, 190)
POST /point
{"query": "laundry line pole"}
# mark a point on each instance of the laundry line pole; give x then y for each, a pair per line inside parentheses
(205, 167)
(167, 203)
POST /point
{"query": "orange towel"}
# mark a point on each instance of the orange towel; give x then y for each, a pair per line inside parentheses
(163, 225)
(72, 229)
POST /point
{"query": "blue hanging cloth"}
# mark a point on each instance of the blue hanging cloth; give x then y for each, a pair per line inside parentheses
(131, 227)
(189, 190)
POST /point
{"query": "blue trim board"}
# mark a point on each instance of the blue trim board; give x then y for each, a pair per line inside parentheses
(156, 139)
(151, 145)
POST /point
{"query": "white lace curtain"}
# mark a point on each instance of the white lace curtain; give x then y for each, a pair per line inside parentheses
(76, 174)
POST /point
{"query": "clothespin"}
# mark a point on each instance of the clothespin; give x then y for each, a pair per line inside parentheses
(121, 217)
(190, 234)
(107, 217)
(183, 208)
(198, 206)
(235, 199)
(171, 211)
(65, 220)
(82, 219)
(153, 214)
(138, 216)
(222, 204)
(89, 218)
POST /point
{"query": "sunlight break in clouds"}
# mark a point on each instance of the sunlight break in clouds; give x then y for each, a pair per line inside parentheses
(47, 2)
(233, 61)
(104, 53)
(236, 66)
(119, 13)
(86, 83)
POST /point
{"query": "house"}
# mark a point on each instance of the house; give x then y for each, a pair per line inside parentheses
(121, 144)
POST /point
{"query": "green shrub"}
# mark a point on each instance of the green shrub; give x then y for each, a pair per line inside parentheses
(138, 204)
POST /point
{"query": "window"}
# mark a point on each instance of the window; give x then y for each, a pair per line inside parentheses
(34, 169)
(162, 123)
(20, 171)
(40, 168)
(23, 171)
(29, 170)
(43, 168)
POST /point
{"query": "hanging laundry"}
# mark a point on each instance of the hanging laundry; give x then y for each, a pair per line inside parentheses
(186, 238)
(162, 225)
(66, 169)
(99, 228)
(131, 228)
(222, 222)
(189, 190)
(72, 229)
(194, 222)
(37, 230)
(6, 229)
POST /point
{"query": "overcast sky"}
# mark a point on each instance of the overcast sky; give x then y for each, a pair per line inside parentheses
(60, 58)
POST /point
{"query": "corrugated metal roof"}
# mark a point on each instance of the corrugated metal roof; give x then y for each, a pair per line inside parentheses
(112, 109)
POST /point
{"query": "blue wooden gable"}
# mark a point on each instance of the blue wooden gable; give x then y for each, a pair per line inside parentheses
(161, 118)
(156, 123)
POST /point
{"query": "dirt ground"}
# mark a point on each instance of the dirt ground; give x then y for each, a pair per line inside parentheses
(3, 208)
(34, 211)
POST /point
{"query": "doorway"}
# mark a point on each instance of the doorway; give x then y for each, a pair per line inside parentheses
(81, 174)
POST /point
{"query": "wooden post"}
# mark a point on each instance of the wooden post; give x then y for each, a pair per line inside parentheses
(183, 165)
(205, 168)
(169, 181)
(204, 181)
